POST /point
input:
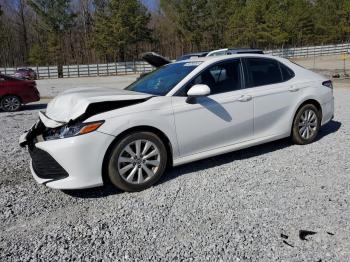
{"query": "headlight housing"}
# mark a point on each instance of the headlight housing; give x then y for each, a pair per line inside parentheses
(70, 130)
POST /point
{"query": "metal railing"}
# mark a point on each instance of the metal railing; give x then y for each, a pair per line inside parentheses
(137, 67)
(310, 51)
(118, 68)
(42, 71)
(110, 69)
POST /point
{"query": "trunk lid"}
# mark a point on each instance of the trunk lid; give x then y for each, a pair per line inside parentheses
(155, 59)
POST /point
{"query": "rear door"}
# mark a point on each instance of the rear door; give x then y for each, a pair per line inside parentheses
(3, 86)
(15, 86)
(270, 83)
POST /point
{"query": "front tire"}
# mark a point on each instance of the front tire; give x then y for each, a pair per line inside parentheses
(306, 125)
(137, 161)
(10, 103)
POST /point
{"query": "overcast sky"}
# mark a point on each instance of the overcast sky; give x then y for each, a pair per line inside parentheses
(151, 4)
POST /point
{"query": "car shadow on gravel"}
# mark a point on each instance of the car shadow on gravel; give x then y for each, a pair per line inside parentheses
(98, 192)
(175, 172)
(34, 107)
(326, 130)
(331, 127)
(29, 107)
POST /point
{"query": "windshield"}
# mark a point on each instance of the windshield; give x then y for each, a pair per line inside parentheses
(162, 80)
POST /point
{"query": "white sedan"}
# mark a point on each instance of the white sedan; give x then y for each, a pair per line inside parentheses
(181, 112)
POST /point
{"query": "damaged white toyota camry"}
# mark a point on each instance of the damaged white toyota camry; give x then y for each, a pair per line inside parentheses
(179, 113)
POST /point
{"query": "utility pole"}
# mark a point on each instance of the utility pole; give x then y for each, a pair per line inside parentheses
(345, 57)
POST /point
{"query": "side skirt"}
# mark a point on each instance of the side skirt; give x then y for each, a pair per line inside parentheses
(227, 149)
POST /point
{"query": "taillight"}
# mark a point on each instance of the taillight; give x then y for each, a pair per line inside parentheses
(328, 84)
(32, 84)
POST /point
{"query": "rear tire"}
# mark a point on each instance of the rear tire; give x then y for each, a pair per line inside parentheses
(137, 161)
(306, 125)
(10, 103)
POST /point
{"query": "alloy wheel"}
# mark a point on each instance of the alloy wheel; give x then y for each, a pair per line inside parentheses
(308, 124)
(139, 161)
(10, 103)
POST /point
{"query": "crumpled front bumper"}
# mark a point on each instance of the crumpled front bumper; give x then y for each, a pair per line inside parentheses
(68, 163)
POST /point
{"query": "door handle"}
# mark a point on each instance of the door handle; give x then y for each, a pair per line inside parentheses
(293, 89)
(245, 98)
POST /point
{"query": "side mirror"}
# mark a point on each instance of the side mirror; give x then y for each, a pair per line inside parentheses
(197, 91)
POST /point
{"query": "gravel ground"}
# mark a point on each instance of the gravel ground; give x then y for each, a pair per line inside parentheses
(248, 205)
(327, 62)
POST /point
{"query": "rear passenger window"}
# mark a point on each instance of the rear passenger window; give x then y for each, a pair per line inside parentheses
(287, 73)
(262, 72)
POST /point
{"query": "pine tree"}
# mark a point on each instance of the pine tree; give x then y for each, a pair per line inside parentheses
(344, 24)
(217, 24)
(190, 18)
(119, 27)
(37, 56)
(56, 18)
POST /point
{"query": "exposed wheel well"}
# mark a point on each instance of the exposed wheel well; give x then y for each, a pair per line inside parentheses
(151, 129)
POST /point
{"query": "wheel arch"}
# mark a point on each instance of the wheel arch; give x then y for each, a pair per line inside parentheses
(313, 102)
(9, 94)
(142, 128)
(305, 102)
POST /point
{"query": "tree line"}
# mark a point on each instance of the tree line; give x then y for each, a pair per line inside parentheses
(57, 32)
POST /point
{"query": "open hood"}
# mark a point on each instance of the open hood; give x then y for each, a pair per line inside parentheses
(75, 103)
(155, 59)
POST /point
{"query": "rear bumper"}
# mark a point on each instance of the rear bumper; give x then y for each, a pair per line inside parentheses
(327, 111)
(80, 157)
(31, 98)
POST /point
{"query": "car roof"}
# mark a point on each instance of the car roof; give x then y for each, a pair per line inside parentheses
(244, 50)
(24, 69)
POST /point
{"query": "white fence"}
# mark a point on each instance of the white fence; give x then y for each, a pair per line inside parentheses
(119, 68)
(134, 67)
(42, 71)
(311, 51)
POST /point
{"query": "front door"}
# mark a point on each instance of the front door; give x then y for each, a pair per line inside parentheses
(223, 118)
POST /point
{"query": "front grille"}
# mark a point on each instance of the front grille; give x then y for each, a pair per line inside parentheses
(45, 166)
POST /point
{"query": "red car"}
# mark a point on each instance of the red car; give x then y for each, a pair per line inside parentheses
(26, 73)
(15, 92)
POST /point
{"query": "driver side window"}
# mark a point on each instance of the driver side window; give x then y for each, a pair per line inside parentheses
(221, 78)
